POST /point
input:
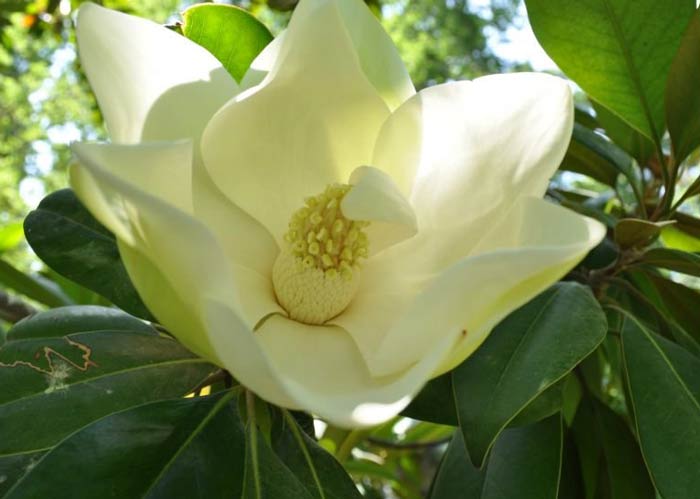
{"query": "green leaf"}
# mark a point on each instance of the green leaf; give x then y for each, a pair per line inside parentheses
(592, 155)
(664, 384)
(34, 288)
(610, 458)
(70, 366)
(320, 473)
(623, 135)
(676, 260)
(70, 241)
(633, 233)
(618, 51)
(683, 93)
(230, 33)
(546, 404)
(524, 463)
(174, 448)
(528, 352)
(434, 403)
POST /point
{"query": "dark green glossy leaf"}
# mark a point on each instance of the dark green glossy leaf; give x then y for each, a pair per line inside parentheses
(528, 352)
(546, 404)
(683, 93)
(174, 448)
(610, 458)
(32, 287)
(230, 33)
(524, 463)
(623, 135)
(676, 260)
(618, 51)
(594, 156)
(70, 241)
(435, 402)
(664, 385)
(70, 366)
(320, 473)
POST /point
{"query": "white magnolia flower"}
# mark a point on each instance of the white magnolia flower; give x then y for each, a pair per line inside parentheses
(331, 237)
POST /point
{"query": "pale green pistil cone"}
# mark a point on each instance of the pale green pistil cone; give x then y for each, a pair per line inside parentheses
(316, 274)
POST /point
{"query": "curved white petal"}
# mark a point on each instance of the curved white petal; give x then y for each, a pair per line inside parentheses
(375, 198)
(150, 82)
(476, 146)
(184, 254)
(379, 57)
(311, 122)
(534, 246)
(263, 63)
(316, 368)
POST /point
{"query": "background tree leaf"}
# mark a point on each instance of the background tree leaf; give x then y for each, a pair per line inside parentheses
(32, 287)
(664, 384)
(618, 51)
(524, 463)
(230, 33)
(70, 366)
(528, 352)
(683, 93)
(70, 241)
(623, 135)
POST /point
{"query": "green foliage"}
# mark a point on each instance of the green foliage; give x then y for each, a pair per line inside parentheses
(591, 390)
(69, 240)
(233, 35)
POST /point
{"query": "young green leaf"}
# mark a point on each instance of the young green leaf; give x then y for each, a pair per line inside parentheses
(528, 352)
(664, 385)
(230, 33)
(70, 241)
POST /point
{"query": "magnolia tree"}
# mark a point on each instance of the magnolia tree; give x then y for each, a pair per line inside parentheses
(326, 284)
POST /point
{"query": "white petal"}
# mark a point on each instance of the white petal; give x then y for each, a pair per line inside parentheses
(183, 251)
(150, 83)
(311, 123)
(476, 146)
(263, 63)
(315, 368)
(379, 58)
(536, 245)
(375, 198)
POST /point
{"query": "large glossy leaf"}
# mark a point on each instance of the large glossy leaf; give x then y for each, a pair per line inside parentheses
(664, 387)
(319, 472)
(32, 287)
(594, 156)
(176, 448)
(611, 461)
(618, 51)
(435, 402)
(683, 93)
(70, 366)
(623, 135)
(676, 260)
(70, 241)
(524, 463)
(528, 352)
(230, 33)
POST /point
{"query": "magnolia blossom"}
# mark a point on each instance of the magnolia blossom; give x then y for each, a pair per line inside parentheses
(328, 235)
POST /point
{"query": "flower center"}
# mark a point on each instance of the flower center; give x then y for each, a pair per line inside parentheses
(316, 275)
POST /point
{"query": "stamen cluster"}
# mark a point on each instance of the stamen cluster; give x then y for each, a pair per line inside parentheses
(320, 237)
